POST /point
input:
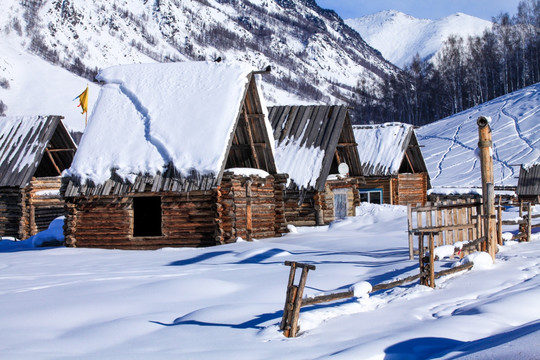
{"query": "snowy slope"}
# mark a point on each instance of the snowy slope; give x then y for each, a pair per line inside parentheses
(450, 144)
(226, 302)
(399, 37)
(39, 88)
(315, 57)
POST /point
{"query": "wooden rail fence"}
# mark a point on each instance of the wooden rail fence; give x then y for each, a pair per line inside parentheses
(294, 300)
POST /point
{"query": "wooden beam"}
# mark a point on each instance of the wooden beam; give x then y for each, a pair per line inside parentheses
(343, 144)
(338, 158)
(409, 161)
(250, 139)
(53, 162)
(61, 150)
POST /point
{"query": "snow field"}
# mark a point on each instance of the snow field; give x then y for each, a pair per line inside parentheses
(227, 301)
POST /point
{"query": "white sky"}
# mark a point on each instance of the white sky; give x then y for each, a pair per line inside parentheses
(428, 9)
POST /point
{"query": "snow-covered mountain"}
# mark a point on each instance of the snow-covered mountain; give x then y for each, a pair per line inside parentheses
(315, 57)
(399, 37)
(450, 144)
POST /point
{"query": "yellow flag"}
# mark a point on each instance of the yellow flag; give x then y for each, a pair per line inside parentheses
(83, 100)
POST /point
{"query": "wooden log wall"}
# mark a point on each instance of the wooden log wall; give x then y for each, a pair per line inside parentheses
(24, 212)
(301, 209)
(45, 202)
(384, 183)
(11, 206)
(248, 208)
(188, 219)
(315, 208)
(280, 183)
(350, 184)
(411, 189)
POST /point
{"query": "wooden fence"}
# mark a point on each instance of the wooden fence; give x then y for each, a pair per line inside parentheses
(294, 300)
(453, 221)
(449, 221)
(525, 223)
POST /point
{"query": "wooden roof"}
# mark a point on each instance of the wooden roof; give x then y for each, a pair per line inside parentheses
(529, 181)
(248, 146)
(318, 129)
(33, 146)
(389, 149)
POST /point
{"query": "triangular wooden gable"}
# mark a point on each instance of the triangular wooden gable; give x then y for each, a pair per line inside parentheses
(250, 146)
(47, 143)
(413, 161)
(58, 154)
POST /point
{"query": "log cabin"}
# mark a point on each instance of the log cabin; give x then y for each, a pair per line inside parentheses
(174, 155)
(315, 146)
(34, 150)
(528, 188)
(392, 164)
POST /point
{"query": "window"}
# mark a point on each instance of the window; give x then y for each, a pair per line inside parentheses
(373, 196)
(147, 216)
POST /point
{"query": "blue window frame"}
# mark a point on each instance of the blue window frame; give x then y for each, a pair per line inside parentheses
(373, 196)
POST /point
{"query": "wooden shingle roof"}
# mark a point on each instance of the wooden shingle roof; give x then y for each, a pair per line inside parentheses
(33, 146)
(323, 133)
(529, 181)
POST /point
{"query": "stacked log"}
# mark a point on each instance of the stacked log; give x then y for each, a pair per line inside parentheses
(280, 225)
(300, 208)
(248, 207)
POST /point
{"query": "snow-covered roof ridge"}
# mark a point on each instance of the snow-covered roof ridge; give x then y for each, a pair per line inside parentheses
(381, 147)
(150, 116)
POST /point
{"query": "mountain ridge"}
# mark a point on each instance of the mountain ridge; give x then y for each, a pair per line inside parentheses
(399, 37)
(315, 56)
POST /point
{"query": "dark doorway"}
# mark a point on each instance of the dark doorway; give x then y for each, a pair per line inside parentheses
(147, 216)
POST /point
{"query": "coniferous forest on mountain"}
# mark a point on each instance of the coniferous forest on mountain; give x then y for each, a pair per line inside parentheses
(466, 72)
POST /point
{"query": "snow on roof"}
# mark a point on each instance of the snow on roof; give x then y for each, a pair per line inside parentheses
(23, 140)
(306, 138)
(303, 164)
(148, 116)
(381, 147)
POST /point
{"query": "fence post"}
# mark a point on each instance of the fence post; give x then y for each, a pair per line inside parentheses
(529, 222)
(431, 260)
(293, 300)
(499, 223)
(421, 258)
(486, 163)
(410, 227)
